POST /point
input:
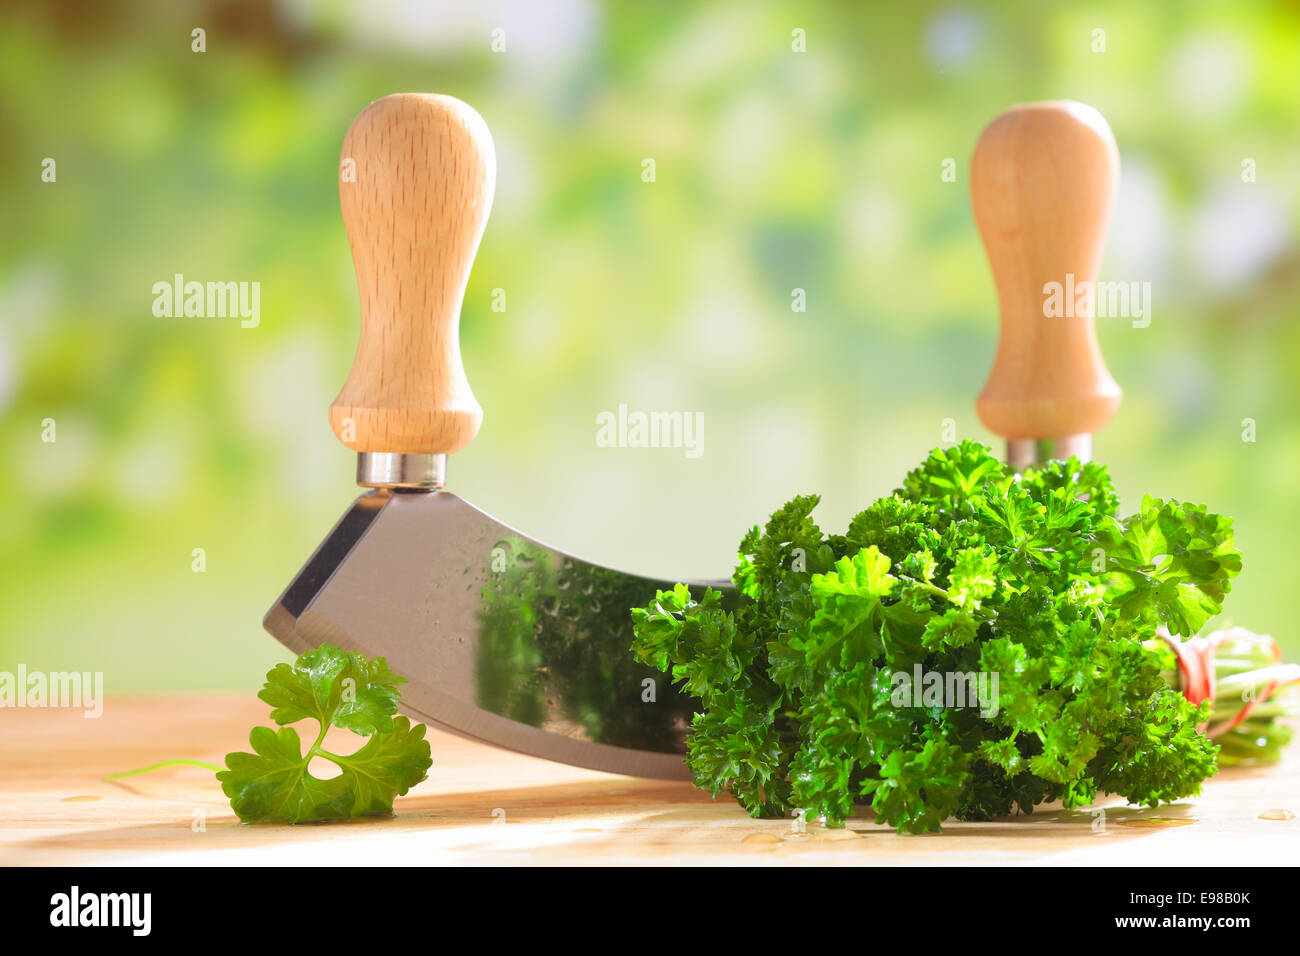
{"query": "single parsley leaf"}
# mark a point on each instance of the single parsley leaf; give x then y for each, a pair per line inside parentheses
(336, 689)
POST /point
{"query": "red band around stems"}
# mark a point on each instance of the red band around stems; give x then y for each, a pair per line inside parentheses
(1196, 675)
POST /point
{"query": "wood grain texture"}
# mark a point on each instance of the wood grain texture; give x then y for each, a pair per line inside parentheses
(56, 809)
(1043, 182)
(425, 171)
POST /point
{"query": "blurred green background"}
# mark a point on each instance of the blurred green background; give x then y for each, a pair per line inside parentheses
(776, 170)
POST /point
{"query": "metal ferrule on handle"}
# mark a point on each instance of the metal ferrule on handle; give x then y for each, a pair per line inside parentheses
(383, 469)
(1024, 452)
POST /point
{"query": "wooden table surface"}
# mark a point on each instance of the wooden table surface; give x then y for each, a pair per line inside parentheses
(485, 806)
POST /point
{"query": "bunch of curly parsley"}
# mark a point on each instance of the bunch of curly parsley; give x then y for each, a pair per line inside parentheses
(969, 567)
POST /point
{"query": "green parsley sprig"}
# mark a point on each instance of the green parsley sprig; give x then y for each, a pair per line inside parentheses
(335, 688)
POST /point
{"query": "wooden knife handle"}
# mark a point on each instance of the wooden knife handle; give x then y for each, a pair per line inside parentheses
(1043, 183)
(424, 170)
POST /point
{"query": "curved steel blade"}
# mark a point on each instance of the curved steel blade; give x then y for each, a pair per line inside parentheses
(500, 637)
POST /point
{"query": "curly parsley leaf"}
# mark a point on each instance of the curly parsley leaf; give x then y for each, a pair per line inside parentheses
(335, 688)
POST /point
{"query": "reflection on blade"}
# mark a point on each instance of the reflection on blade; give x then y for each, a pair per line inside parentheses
(554, 651)
(501, 638)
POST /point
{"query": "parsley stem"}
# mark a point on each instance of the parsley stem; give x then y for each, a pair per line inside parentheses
(928, 586)
(315, 750)
(984, 613)
(181, 762)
